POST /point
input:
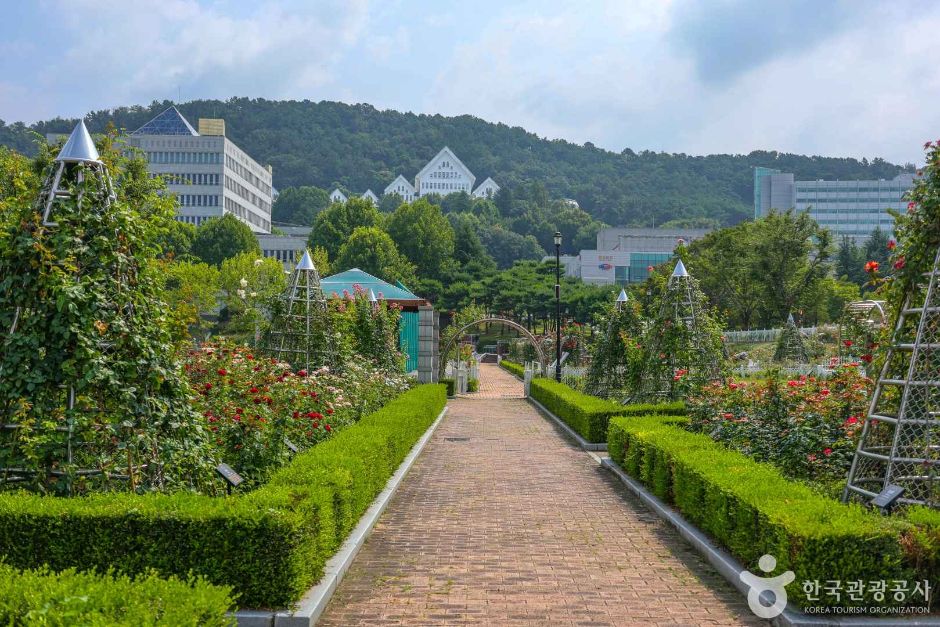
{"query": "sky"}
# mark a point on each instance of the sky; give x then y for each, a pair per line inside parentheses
(854, 78)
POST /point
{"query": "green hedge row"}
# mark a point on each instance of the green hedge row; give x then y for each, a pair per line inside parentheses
(752, 510)
(70, 598)
(450, 385)
(590, 415)
(513, 367)
(269, 545)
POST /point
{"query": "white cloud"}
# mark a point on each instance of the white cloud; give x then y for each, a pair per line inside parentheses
(610, 74)
(136, 51)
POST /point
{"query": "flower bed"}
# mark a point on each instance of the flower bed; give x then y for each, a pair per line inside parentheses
(752, 510)
(807, 427)
(268, 545)
(589, 415)
(252, 404)
(70, 598)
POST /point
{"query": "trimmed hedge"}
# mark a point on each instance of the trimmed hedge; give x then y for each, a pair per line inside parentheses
(751, 509)
(513, 367)
(590, 415)
(451, 386)
(269, 545)
(70, 598)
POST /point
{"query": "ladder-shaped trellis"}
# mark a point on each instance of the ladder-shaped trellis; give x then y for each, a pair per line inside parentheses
(900, 441)
(301, 331)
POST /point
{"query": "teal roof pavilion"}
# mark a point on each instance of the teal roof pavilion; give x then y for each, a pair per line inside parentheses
(334, 286)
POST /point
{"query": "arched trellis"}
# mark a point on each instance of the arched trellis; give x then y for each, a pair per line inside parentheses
(504, 321)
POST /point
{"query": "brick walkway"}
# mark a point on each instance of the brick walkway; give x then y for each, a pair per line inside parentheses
(497, 383)
(516, 526)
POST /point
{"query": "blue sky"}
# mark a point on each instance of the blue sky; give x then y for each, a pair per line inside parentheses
(841, 78)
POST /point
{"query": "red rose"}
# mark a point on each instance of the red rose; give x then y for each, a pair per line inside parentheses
(253, 391)
(847, 343)
(301, 373)
(866, 358)
(851, 420)
(892, 244)
(899, 264)
(327, 427)
(329, 411)
(222, 372)
(827, 452)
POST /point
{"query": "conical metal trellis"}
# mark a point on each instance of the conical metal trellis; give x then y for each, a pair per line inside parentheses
(790, 347)
(301, 331)
(608, 372)
(900, 441)
(76, 165)
(701, 366)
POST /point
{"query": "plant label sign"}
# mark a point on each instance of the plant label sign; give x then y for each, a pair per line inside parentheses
(229, 474)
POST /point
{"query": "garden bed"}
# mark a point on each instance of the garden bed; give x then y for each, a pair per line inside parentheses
(269, 545)
(751, 509)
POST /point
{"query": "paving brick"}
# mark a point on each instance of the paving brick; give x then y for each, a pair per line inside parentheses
(518, 526)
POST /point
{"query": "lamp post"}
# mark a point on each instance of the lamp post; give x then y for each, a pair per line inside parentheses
(558, 306)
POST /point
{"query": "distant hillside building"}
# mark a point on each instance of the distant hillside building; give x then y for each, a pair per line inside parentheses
(209, 175)
(847, 208)
(625, 255)
(337, 196)
(444, 174)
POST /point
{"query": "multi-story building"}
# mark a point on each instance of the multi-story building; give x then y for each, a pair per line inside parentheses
(209, 175)
(626, 255)
(847, 208)
(444, 174)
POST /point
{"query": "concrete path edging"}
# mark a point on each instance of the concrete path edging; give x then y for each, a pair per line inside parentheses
(729, 567)
(312, 604)
(587, 446)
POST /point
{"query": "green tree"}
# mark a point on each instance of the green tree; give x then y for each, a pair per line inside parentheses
(222, 238)
(250, 285)
(335, 224)
(176, 240)
(299, 205)
(372, 250)
(423, 235)
(191, 289)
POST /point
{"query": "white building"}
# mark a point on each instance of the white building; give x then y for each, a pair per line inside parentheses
(486, 189)
(371, 197)
(337, 196)
(209, 175)
(402, 187)
(626, 255)
(444, 174)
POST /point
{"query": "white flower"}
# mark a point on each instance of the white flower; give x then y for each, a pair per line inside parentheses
(244, 283)
(254, 294)
(258, 262)
(241, 293)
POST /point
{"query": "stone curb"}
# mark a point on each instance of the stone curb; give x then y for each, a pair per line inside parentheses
(729, 568)
(587, 446)
(311, 606)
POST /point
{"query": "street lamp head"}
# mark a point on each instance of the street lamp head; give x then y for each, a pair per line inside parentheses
(557, 238)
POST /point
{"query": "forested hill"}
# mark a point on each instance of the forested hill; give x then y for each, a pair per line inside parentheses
(360, 147)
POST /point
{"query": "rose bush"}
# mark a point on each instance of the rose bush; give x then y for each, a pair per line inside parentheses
(252, 403)
(807, 427)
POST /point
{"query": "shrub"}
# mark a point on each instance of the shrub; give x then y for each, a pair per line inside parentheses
(451, 386)
(589, 415)
(807, 427)
(269, 545)
(751, 509)
(513, 367)
(473, 385)
(70, 598)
